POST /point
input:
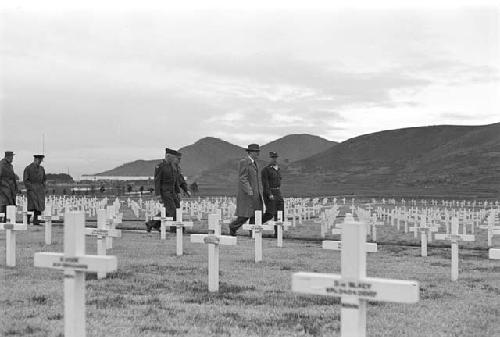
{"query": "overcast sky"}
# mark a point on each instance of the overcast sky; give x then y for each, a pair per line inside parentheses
(106, 87)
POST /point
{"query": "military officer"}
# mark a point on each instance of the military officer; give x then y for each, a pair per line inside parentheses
(166, 181)
(271, 184)
(34, 179)
(249, 197)
(8, 182)
(181, 185)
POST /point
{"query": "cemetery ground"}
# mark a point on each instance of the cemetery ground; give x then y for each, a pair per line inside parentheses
(156, 293)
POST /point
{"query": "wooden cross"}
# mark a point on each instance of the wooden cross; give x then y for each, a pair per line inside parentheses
(47, 217)
(258, 228)
(454, 238)
(281, 225)
(353, 286)
(213, 239)
(75, 264)
(102, 232)
(179, 224)
(163, 222)
(425, 230)
(11, 227)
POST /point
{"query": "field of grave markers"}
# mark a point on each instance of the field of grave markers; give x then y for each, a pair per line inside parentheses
(156, 292)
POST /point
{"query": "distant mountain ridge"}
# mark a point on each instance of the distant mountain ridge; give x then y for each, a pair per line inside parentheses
(209, 153)
(434, 160)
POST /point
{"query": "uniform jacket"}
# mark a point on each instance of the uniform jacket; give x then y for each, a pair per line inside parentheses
(248, 180)
(166, 179)
(34, 179)
(271, 183)
(271, 179)
(8, 184)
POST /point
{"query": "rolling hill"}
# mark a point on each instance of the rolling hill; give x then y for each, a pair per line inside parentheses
(213, 153)
(441, 160)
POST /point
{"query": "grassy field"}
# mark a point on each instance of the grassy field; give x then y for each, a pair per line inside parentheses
(155, 293)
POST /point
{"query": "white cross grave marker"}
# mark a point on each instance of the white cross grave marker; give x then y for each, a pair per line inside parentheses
(179, 224)
(75, 264)
(281, 225)
(258, 228)
(11, 227)
(454, 237)
(47, 217)
(163, 223)
(425, 230)
(352, 285)
(214, 239)
(102, 232)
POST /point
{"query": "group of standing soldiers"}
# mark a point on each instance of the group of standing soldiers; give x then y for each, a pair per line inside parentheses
(34, 180)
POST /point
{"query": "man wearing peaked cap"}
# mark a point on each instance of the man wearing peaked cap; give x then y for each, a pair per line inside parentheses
(249, 197)
(166, 180)
(8, 182)
(271, 186)
(34, 179)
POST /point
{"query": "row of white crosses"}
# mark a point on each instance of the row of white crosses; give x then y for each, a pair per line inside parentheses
(352, 285)
(75, 263)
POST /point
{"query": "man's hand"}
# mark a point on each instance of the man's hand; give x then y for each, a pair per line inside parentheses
(271, 197)
(188, 193)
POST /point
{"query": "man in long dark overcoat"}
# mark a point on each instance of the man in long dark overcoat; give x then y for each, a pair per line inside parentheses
(271, 185)
(8, 182)
(34, 179)
(249, 197)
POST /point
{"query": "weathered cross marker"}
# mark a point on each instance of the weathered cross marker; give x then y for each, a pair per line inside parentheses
(213, 240)
(163, 222)
(425, 230)
(179, 224)
(454, 237)
(258, 228)
(48, 218)
(102, 232)
(352, 285)
(75, 264)
(10, 227)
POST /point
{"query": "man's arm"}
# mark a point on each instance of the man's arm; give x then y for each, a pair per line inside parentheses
(157, 180)
(26, 178)
(265, 182)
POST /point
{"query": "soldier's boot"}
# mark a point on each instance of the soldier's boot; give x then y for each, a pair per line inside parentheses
(36, 218)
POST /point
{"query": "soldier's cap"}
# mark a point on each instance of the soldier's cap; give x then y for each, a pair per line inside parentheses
(253, 148)
(273, 154)
(39, 156)
(9, 153)
(170, 151)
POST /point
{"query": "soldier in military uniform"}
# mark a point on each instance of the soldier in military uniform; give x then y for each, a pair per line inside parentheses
(8, 182)
(34, 179)
(166, 181)
(271, 183)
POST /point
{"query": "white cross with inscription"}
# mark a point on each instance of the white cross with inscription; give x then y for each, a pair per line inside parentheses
(213, 239)
(163, 222)
(454, 237)
(425, 230)
(257, 229)
(179, 224)
(47, 217)
(11, 227)
(75, 264)
(352, 285)
(102, 232)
